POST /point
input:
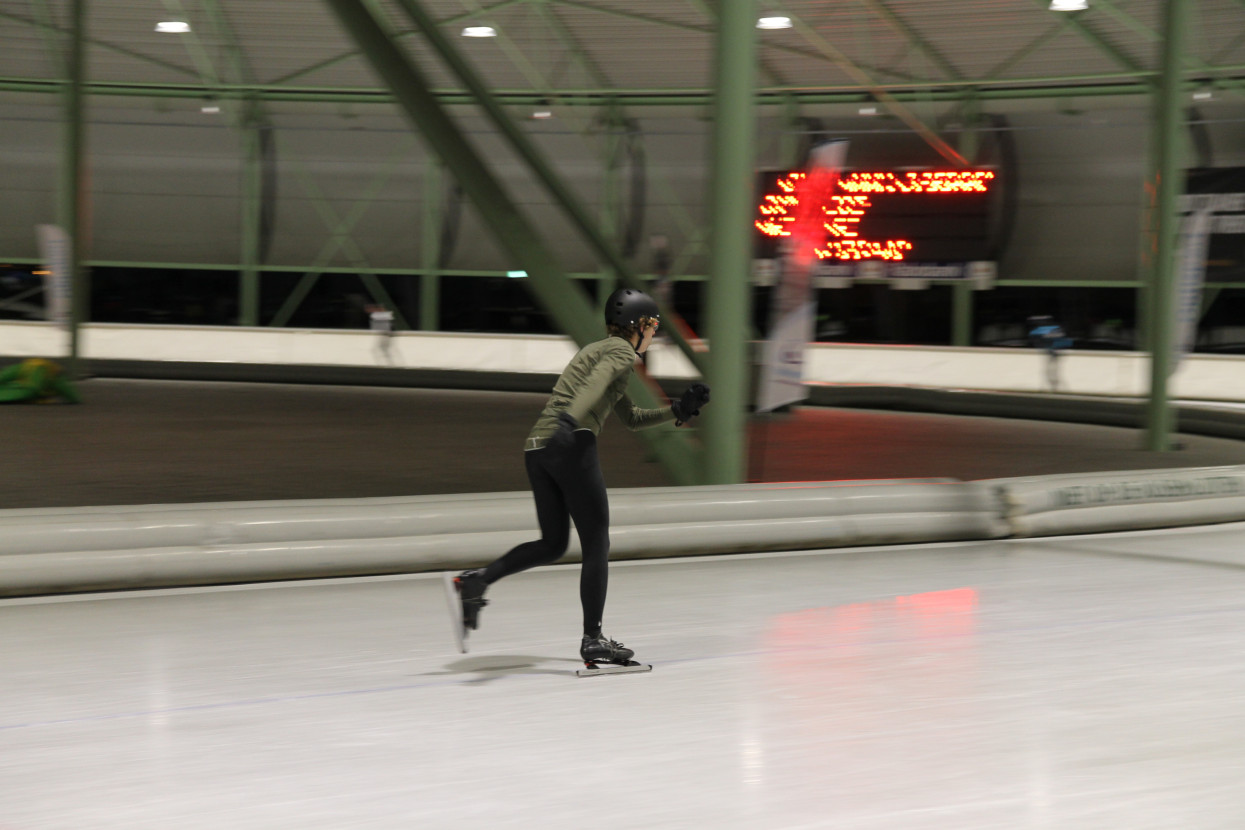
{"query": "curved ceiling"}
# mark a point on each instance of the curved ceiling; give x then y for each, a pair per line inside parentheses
(657, 51)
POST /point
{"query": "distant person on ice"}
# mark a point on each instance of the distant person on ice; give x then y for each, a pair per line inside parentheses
(565, 474)
(1046, 334)
(35, 380)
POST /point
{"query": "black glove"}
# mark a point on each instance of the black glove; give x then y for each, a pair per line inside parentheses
(562, 438)
(688, 406)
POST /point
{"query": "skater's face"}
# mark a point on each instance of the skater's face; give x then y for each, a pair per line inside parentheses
(648, 329)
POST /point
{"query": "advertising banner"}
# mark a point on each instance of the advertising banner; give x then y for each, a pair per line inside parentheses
(1221, 192)
(793, 307)
(1191, 254)
(54, 250)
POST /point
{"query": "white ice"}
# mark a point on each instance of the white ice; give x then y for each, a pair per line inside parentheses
(1077, 682)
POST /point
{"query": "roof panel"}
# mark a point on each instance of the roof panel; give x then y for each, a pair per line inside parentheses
(631, 44)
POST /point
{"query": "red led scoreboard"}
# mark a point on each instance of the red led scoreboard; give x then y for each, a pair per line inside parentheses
(925, 216)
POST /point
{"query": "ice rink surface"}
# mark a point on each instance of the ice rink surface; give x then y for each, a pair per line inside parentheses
(1073, 682)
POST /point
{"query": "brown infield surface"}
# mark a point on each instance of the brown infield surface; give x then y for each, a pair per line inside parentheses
(156, 442)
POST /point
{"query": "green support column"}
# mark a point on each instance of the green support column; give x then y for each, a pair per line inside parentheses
(252, 203)
(725, 422)
(73, 193)
(1169, 130)
(611, 201)
(962, 314)
(1147, 254)
(430, 280)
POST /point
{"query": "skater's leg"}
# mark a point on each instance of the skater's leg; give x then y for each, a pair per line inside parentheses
(555, 530)
(584, 489)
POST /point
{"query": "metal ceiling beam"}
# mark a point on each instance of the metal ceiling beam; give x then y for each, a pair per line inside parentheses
(566, 301)
(518, 59)
(563, 197)
(883, 96)
(1154, 37)
(194, 46)
(572, 44)
(1026, 50)
(705, 30)
(1098, 41)
(913, 37)
(772, 75)
(354, 53)
(340, 238)
(1017, 89)
(1231, 47)
(48, 29)
(101, 44)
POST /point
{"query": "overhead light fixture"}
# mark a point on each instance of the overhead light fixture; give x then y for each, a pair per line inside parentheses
(542, 114)
(1203, 93)
(479, 31)
(869, 110)
(210, 109)
(173, 27)
(516, 275)
(1068, 5)
(777, 21)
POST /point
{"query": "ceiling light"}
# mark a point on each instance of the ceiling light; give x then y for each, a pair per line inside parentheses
(173, 27)
(1203, 94)
(210, 109)
(1068, 5)
(869, 110)
(774, 22)
(542, 114)
(479, 31)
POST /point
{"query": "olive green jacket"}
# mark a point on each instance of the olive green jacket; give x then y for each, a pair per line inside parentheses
(593, 383)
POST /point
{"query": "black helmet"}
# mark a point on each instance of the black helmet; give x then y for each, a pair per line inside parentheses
(626, 306)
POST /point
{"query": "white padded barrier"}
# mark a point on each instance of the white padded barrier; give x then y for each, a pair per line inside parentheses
(51, 550)
(56, 550)
(1117, 374)
(1099, 502)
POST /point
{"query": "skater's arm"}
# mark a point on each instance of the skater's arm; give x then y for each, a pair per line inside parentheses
(681, 411)
(633, 417)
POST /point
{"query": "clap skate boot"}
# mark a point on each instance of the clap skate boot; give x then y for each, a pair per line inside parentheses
(602, 655)
(465, 595)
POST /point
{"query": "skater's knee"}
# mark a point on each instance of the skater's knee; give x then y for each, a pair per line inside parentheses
(554, 549)
(595, 546)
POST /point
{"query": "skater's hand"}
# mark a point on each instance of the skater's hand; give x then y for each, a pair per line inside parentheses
(688, 406)
(563, 439)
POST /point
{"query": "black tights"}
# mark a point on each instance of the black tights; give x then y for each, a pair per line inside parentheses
(567, 485)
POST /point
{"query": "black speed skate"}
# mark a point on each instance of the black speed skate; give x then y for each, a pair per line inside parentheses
(602, 655)
(465, 595)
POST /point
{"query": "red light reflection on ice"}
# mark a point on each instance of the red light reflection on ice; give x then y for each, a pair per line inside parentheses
(921, 646)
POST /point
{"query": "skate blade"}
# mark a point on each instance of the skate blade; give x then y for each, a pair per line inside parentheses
(456, 612)
(594, 669)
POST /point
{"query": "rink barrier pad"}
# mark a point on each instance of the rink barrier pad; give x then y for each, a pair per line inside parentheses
(55, 550)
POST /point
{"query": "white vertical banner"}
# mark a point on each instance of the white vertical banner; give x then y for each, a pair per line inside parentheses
(55, 251)
(1191, 256)
(793, 309)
